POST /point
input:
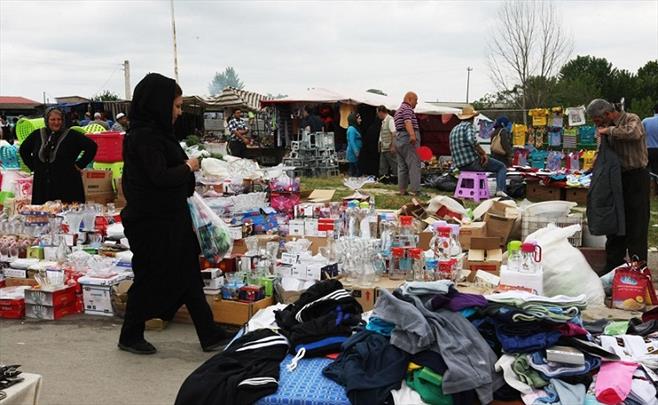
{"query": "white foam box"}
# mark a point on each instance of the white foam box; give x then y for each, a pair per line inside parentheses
(296, 227)
(97, 300)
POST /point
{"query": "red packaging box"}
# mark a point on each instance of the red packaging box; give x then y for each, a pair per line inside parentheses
(12, 308)
(57, 298)
(49, 313)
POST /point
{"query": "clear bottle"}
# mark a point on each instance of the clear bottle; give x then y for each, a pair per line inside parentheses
(442, 246)
(456, 248)
(514, 255)
(395, 271)
(418, 265)
(353, 225)
(431, 268)
(446, 270)
(387, 231)
(435, 233)
(530, 258)
(407, 234)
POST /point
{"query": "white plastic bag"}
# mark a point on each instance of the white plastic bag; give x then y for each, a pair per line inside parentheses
(566, 270)
(212, 231)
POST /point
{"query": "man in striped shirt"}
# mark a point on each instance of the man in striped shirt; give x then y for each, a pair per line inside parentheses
(406, 142)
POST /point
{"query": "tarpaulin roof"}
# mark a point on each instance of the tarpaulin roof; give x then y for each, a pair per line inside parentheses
(320, 95)
(17, 103)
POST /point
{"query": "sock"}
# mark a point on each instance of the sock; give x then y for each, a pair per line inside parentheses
(613, 383)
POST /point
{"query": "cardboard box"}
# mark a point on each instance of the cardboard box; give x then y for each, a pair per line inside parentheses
(424, 239)
(469, 231)
(537, 192)
(15, 273)
(47, 312)
(498, 227)
(296, 227)
(15, 282)
(97, 300)
(121, 199)
(318, 195)
(98, 186)
(577, 195)
(367, 296)
(56, 298)
(236, 312)
(485, 254)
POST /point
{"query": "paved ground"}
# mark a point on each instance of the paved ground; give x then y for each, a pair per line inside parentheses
(80, 363)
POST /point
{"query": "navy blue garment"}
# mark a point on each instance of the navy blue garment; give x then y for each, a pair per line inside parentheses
(527, 343)
(369, 368)
(323, 335)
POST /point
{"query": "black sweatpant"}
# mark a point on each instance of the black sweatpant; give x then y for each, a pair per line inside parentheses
(237, 149)
(635, 184)
(195, 301)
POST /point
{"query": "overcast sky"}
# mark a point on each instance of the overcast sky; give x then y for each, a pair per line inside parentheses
(77, 47)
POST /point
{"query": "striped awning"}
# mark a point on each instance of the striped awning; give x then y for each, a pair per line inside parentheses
(234, 98)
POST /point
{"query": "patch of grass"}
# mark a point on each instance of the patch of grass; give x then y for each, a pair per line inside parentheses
(386, 197)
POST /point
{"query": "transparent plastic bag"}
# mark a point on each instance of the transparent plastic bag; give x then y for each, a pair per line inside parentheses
(211, 230)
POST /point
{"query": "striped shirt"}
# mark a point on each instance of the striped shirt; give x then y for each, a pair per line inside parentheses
(405, 112)
(629, 141)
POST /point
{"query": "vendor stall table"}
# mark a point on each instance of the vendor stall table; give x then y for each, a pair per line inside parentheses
(23, 393)
(306, 385)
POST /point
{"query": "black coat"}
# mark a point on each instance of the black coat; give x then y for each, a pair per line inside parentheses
(61, 179)
(156, 183)
(605, 198)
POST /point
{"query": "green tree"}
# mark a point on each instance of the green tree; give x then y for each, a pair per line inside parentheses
(228, 78)
(105, 96)
(643, 107)
(647, 80)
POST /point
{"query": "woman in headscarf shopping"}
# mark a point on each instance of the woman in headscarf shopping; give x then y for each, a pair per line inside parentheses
(57, 156)
(501, 141)
(158, 177)
(354, 144)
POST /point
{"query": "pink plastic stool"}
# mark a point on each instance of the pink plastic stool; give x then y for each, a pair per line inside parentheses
(473, 186)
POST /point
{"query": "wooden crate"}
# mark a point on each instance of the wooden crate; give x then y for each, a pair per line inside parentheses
(577, 195)
(537, 192)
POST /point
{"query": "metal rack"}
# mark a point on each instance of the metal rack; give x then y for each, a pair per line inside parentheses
(313, 155)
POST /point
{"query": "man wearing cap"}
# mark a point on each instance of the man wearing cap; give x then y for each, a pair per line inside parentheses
(122, 123)
(468, 155)
(406, 142)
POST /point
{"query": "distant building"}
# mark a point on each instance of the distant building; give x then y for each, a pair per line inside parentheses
(71, 100)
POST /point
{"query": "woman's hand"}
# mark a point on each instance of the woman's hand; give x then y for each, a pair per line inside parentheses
(193, 164)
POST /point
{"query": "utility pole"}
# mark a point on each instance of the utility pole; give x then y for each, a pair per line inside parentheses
(173, 29)
(126, 78)
(468, 80)
(44, 97)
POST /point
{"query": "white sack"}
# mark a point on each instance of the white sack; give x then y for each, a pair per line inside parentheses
(566, 270)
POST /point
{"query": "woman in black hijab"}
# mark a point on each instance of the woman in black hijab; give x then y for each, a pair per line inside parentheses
(57, 155)
(158, 178)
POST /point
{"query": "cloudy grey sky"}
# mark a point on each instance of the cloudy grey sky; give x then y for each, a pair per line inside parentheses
(77, 47)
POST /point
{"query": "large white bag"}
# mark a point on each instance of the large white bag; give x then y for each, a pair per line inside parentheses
(566, 270)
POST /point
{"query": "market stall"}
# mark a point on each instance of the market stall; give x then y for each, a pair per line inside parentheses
(433, 302)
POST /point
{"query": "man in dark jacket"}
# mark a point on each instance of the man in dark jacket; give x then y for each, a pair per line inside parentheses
(626, 137)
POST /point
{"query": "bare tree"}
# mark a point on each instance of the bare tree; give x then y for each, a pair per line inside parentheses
(527, 41)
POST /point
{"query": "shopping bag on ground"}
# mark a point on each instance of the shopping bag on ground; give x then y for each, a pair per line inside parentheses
(632, 287)
(212, 231)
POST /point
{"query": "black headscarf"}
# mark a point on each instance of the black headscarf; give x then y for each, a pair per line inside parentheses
(50, 140)
(152, 103)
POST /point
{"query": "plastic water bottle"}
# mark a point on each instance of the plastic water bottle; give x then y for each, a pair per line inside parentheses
(353, 225)
(431, 268)
(530, 258)
(407, 234)
(418, 264)
(514, 255)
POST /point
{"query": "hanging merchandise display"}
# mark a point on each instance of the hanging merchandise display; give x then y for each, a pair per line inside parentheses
(519, 132)
(576, 116)
(587, 135)
(555, 137)
(520, 157)
(540, 136)
(554, 161)
(556, 119)
(539, 117)
(573, 161)
(538, 159)
(486, 129)
(570, 138)
(589, 157)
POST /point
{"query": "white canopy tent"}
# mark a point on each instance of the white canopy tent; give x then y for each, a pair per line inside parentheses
(320, 95)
